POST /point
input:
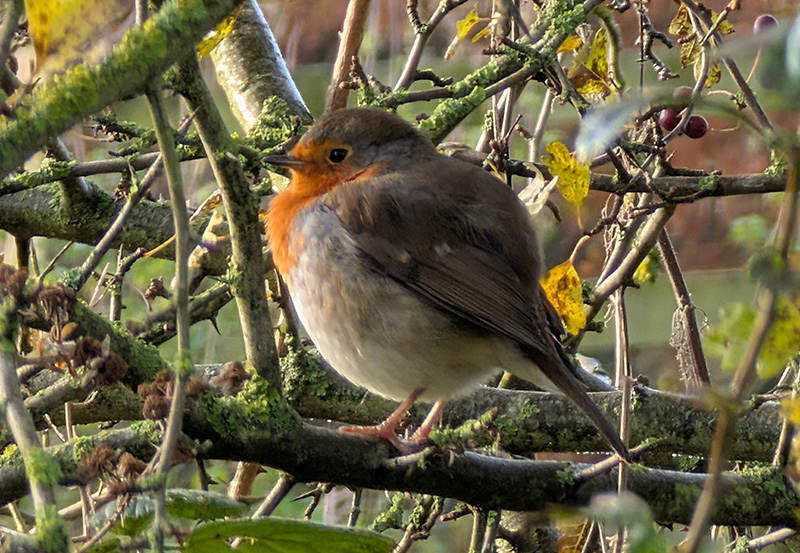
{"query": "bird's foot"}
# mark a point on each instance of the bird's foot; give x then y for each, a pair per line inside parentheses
(384, 432)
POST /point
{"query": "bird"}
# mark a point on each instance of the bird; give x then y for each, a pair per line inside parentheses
(416, 275)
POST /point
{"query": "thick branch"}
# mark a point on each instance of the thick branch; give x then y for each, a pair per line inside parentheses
(37, 212)
(143, 55)
(315, 454)
(250, 68)
(691, 188)
(241, 207)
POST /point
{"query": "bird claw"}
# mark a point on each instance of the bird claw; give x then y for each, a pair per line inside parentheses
(387, 433)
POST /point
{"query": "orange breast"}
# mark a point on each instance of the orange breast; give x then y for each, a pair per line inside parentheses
(282, 211)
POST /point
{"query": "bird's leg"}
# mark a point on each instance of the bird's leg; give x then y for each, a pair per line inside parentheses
(387, 430)
(420, 437)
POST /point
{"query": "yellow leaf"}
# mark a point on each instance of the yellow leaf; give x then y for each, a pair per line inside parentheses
(791, 410)
(463, 28)
(724, 28)
(465, 25)
(647, 271)
(573, 177)
(76, 31)
(562, 285)
(783, 340)
(643, 273)
(216, 36)
(681, 24)
(714, 75)
(598, 56)
(589, 73)
(570, 43)
(486, 32)
(594, 90)
(690, 52)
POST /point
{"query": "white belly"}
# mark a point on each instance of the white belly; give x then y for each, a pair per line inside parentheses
(380, 335)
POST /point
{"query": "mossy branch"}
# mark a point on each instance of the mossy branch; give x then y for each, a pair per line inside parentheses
(759, 497)
(143, 55)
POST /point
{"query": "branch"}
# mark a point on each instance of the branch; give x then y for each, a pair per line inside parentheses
(521, 422)
(250, 68)
(142, 56)
(690, 188)
(352, 31)
(525, 423)
(36, 212)
(241, 207)
(316, 454)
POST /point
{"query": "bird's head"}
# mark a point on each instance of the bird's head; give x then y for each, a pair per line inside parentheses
(350, 144)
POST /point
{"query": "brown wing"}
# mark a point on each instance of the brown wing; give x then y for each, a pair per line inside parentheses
(469, 282)
(466, 245)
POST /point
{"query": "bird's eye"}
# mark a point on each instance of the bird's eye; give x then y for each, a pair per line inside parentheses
(337, 155)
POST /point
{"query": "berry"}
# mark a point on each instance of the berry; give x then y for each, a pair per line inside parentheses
(696, 126)
(669, 118)
(764, 23)
(683, 93)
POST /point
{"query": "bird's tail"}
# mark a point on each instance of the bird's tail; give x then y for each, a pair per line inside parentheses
(562, 373)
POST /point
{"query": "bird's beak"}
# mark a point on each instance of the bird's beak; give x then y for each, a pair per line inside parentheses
(283, 160)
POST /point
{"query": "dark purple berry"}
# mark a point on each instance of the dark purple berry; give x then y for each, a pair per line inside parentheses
(764, 23)
(696, 126)
(682, 93)
(669, 118)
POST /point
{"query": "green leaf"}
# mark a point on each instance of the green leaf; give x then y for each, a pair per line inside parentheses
(200, 505)
(629, 510)
(275, 535)
(729, 338)
(749, 231)
(106, 546)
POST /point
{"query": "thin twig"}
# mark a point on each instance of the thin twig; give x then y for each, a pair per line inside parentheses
(746, 372)
(247, 257)
(352, 32)
(278, 493)
(699, 376)
(623, 382)
(480, 518)
(413, 532)
(770, 538)
(492, 529)
(535, 143)
(19, 422)
(647, 239)
(124, 264)
(420, 40)
(8, 28)
(749, 97)
(116, 227)
(355, 508)
(183, 365)
(788, 428)
(74, 190)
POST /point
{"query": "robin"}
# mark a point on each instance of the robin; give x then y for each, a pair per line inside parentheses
(415, 274)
